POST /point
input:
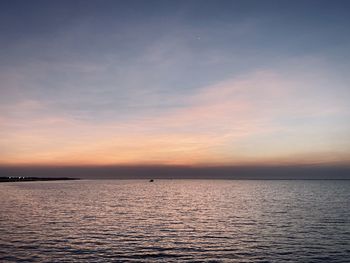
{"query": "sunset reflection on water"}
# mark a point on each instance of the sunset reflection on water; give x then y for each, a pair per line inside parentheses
(175, 220)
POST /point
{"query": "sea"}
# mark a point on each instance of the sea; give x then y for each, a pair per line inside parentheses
(175, 221)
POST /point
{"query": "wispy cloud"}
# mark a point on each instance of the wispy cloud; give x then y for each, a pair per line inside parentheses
(267, 116)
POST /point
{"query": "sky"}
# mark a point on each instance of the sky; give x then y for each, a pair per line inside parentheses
(181, 83)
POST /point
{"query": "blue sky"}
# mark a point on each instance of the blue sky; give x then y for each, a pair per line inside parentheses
(174, 82)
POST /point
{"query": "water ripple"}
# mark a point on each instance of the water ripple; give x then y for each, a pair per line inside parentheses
(175, 221)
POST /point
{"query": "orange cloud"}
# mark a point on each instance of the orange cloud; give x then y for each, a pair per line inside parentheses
(232, 122)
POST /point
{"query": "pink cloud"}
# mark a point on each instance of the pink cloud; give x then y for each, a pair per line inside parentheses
(215, 126)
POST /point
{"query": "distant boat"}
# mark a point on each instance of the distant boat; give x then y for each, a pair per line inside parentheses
(151, 180)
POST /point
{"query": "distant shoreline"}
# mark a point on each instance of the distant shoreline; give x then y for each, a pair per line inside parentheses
(32, 179)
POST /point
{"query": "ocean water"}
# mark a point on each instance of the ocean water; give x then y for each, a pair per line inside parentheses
(175, 221)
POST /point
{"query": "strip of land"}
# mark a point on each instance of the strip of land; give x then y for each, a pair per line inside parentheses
(29, 179)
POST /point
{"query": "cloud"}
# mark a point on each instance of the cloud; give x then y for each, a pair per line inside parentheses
(266, 116)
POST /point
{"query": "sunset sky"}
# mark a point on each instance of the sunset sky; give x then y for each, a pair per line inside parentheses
(174, 82)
